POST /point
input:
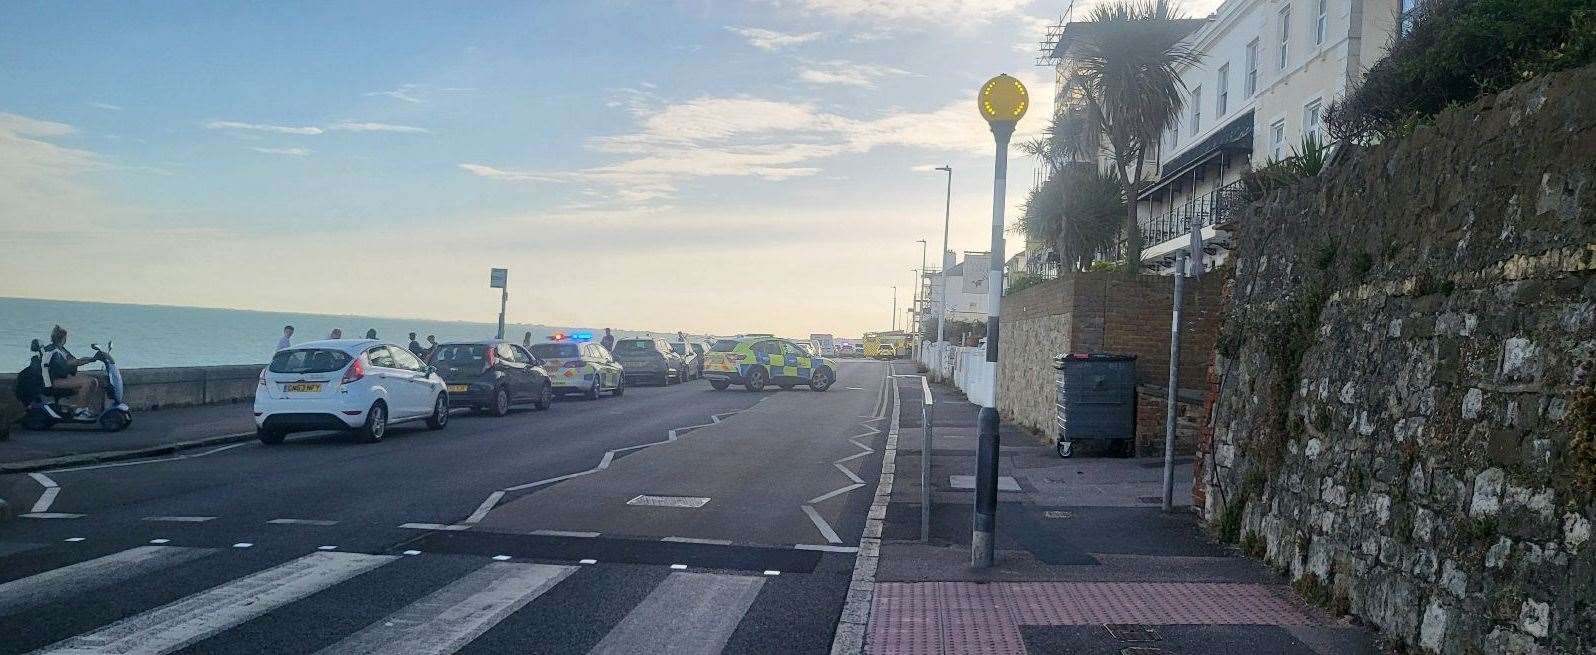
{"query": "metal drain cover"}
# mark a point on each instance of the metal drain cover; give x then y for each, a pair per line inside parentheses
(1142, 650)
(1133, 632)
(668, 501)
(1151, 500)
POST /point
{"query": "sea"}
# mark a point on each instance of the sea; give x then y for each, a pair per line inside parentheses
(145, 336)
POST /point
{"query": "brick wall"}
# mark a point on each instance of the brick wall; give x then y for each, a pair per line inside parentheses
(1190, 416)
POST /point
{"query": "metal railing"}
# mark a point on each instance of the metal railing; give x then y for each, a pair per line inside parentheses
(1206, 210)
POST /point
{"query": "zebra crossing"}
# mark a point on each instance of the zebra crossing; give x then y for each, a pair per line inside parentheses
(153, 599)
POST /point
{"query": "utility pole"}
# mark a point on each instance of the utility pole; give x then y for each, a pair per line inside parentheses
(947, 214)
(894, 307)
(1002, 101)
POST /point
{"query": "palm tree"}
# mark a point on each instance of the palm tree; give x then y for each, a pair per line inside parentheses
(1125, 79)
(1076, 211)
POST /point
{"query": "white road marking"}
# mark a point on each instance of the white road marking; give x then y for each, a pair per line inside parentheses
(772, 572)
(449, 618)
(563, 533)
(73, 539)
(242, 544)
(485, 507)
(668, 501)
(142, 462)
(687, 613)
(78, 580)
(696, 540)
(326, 548)
(828, 548)
(435, 526)
(501, 558)
(855, 455)
(679, 567)
(44, 480)
(302, 522)
(835, 492)
(180, 519)
(412, 552)
(850, 474)
(588, 561)
(160, 541)
(50, 515)
(553, 480)
(190, 619)
(604, 463)
(822, 525)
(47, 497)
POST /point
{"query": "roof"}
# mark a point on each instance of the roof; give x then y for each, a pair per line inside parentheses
(1077, 30)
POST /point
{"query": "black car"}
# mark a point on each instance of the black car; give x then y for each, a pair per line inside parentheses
(491, 376)
(650, 360)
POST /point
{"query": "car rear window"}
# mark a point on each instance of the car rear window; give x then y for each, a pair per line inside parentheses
(634, 346)
(679, 347)
(309, 360)
(460, 353)
(724, 345)
(555, 350)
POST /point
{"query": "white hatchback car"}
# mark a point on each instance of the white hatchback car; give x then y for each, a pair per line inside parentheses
(358, 385)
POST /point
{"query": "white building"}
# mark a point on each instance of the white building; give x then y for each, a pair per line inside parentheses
(967, 286)
(1268, 70)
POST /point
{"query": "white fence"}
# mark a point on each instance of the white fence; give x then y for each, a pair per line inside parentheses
(966, 368)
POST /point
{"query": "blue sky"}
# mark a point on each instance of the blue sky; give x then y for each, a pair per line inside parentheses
(710, 166)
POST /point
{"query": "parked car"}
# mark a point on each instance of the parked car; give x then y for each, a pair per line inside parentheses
(356, 385)
(651, 360)
(580, 368)
(886, 351)
(492, 375)
(758, 361)
(691, 358)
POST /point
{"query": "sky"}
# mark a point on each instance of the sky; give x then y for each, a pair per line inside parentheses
(707, 165)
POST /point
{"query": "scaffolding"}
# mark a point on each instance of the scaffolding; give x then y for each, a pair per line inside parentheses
(1048, 46)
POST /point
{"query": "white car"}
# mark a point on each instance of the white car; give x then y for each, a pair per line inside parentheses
(357, 385)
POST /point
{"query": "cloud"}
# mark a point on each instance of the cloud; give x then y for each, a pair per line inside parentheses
(941, 12)
(405, 92)
(292, 152)
(40, 182)
(377, 127)
(257, 127)
(106, 106)
(771, 40)
(846, 73)
(417, 93)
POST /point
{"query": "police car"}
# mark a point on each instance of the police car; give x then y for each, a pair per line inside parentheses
(758, 361)
(577, 366)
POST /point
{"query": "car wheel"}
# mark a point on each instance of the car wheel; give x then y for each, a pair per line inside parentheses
(376, 424)
(620, 387)
(501, 402)
(719, 385)
(592, 392)
(115, 420)
(757, 378)
(545, 397)
(440, 413)
(821, 379)
(269, 437)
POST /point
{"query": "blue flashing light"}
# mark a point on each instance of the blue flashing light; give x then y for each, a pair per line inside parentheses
(583, 336)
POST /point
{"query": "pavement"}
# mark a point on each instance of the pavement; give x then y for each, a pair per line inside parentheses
(672, 519)
(152, 432)
(1087, 561)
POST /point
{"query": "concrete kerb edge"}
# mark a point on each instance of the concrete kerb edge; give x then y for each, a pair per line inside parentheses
(854, 623)
(28, 466)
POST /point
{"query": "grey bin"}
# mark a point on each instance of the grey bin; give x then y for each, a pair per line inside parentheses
(1096, 401)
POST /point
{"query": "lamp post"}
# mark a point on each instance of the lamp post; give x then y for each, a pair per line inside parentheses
(947, 213)
(1002, 101)
(919, 294)
(894, 307)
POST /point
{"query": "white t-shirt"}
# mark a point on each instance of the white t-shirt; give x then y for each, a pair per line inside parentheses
(282, 344)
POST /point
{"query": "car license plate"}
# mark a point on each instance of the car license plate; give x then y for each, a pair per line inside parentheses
(302, 387)
(459, 388)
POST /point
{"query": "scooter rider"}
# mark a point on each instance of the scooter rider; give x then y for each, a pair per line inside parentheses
(64, 374)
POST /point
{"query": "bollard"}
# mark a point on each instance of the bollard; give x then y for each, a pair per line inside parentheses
(925, 463)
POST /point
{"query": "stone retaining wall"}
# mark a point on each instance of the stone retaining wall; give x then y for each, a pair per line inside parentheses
(1404, 418)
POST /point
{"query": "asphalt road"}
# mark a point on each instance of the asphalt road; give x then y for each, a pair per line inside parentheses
(673, 519)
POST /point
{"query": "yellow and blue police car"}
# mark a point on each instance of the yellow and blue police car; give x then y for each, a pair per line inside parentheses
(577, 366)
(758, 361)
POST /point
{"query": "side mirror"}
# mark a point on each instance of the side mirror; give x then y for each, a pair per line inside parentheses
(430, 369)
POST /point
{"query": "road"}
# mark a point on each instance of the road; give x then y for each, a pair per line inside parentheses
(674, 519)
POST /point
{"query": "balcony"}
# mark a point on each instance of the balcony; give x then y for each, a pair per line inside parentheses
(1206, 210)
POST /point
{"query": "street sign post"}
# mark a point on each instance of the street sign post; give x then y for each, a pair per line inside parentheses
(498, 278)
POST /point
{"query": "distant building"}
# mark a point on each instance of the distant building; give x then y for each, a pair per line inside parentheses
(966, 285)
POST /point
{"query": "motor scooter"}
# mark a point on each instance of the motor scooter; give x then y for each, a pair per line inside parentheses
(45, 410)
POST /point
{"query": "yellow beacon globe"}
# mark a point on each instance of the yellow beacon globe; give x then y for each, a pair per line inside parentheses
(1003, 100)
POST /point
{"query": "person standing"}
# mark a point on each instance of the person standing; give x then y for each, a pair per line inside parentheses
(371, 334)
(526, 341)
(608, 341)
(63, 368)
(337, 333)
(415, 346)
(432, 345)
(288, 332)
(681, 336)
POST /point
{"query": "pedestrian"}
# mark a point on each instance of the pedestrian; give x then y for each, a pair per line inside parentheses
(681, 336)
(371, 334)
(526, 341)
(608, 341)
(63, 368)
(288, 331)
(415, 346)
(432, 345)
(337, 333)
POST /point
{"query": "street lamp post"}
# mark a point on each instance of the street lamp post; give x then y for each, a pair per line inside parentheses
(894, 307)
(919, 287)
(947, 213)
(1002, 101)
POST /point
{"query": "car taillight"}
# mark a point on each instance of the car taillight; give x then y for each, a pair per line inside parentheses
(575, 363)
(263, 377)
(489, 360)
(356, 371)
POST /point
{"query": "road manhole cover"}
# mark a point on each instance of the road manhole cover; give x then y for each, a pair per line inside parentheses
(668, 501)
(1056, 514)
(1151, 500)
(1132, 632)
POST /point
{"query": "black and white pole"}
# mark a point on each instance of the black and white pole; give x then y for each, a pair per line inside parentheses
(1002, 101)
(1174, 370)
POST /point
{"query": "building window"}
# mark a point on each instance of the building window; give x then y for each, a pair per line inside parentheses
(1321, 24)
(1277, 139)
(1251, 85)
(1221, 105)
(1196, 110)
(1283, 57)
(1311, 113)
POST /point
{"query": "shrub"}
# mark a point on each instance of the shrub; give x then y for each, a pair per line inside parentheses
(1454, 51)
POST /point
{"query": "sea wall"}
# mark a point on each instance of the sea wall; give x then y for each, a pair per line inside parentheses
(1404, 416)
(154, 388)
